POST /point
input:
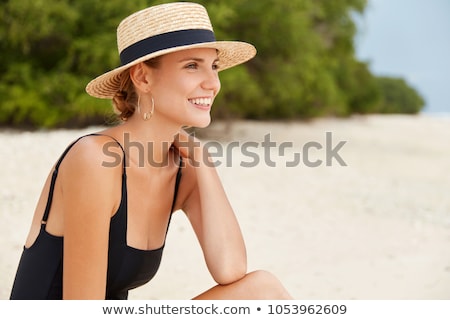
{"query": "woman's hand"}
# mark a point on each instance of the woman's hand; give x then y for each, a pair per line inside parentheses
(190, 148)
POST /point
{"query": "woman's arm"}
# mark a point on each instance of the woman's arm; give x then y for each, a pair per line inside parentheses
(90, 192)
(211, 214)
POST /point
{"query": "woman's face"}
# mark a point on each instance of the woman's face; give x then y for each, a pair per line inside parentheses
(184, 86)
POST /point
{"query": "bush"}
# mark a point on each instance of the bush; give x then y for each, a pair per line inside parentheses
(305, 66)
(398, 97)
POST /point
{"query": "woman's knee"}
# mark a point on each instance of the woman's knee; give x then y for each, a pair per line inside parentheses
(256, 285)
(268, 284)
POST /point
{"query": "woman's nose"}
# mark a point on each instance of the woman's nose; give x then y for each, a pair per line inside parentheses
(212, 81)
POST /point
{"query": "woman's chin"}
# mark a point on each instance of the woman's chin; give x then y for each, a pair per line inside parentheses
(201, 123)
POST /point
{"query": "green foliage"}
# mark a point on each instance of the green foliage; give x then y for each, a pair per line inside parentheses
(398, 96)
(305, 65)
(50, 50)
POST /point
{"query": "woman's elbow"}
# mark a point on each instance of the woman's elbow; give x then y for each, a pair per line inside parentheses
(230, 273)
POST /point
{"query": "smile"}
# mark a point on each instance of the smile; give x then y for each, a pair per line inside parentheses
(201, 102)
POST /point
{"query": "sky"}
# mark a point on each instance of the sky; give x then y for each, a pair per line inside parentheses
(409, 39)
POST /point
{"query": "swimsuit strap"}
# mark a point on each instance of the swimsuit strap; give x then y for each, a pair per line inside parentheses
(177, 184)
(55, 172)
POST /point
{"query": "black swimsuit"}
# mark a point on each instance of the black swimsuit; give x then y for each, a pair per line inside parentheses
(39, 274)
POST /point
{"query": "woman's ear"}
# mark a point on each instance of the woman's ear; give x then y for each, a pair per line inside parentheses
(140, 75)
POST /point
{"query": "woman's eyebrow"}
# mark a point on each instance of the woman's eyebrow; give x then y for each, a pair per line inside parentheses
(200, 60)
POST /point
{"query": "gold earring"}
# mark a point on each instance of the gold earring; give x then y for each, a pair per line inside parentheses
(146, 115)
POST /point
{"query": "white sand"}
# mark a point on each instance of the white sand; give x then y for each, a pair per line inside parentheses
(378, 228)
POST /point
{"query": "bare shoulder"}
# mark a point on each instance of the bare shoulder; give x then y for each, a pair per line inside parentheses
(94, 152)
(92, 170)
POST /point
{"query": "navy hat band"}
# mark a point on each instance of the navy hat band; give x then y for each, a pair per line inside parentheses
(165, 41)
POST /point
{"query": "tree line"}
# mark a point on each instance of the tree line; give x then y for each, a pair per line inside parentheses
(305, 66)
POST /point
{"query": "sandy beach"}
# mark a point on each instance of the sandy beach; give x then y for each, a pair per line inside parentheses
(355, 208)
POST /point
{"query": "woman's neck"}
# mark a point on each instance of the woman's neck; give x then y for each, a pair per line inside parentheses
(147, 143)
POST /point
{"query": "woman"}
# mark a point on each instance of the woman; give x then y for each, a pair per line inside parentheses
(100, 225)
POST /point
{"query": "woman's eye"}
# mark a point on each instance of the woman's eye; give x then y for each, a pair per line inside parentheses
(215, 66)
(192, 66)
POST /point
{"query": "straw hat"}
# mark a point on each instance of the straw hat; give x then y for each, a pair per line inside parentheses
(163, 29)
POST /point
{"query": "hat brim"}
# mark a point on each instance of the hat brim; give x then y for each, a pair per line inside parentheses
(230, 53)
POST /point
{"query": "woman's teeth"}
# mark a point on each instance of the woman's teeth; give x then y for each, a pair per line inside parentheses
(201, 101)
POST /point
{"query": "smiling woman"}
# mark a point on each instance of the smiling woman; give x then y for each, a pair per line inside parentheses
(99, 230)
(184, 82)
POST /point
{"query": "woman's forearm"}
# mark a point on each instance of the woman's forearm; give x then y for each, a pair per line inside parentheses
(222, 239)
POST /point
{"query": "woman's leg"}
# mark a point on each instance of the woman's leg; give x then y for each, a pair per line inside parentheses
(257, 285)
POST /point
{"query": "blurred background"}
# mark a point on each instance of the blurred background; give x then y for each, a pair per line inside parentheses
(410, 39)
(315, 58)
(374, 73)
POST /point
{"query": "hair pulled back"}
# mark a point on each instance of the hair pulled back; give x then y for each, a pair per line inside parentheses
(126, 98)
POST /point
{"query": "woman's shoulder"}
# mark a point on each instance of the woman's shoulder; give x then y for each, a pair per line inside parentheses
(92, 153)
(87, 176)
